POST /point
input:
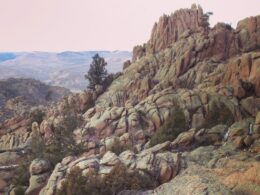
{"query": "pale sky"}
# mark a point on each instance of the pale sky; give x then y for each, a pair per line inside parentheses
(77, 25)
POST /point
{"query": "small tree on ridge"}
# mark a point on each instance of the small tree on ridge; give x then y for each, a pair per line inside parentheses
(97, 72)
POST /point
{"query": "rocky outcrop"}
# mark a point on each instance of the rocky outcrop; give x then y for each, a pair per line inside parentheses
(248, 32)
(14, 134)
(197, 180)
(223, 41)
(194, 138)
(39, 174)
(171, 28)
(150, 114)
(194, 62)
(243, 74)
(156, 162)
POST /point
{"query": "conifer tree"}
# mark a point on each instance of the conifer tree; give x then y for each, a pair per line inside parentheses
(97, 72)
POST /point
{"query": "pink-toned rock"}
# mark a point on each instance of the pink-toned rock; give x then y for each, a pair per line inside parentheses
(170, 28)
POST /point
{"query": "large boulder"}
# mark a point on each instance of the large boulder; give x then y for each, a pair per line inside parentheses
(109, 159)
(39, 174)
(39, 166)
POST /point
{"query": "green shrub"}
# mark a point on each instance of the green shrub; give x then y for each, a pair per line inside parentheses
(118, 147)
(19, 190)
(60, 145)
(245, 189)
(37, 115)
(117, 180)
(171, 128)
(74, 184)
(21, 174)
(121, 179)
(219, 114)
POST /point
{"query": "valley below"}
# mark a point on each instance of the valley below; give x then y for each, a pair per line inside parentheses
(64, 69)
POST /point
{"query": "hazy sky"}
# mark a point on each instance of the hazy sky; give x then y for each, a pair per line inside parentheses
(58, 25)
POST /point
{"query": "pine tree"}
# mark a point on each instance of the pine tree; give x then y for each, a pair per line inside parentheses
(97, 72)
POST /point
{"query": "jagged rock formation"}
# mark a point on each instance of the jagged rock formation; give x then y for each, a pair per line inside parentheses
(169, 29)
(211, 74)
(221, 42)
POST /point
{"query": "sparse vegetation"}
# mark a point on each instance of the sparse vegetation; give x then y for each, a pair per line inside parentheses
(109, 79)
(219, 114)
(229, 26)
(37, 115)
(21, 174)
(171, 128)
(19, 190)
(119, 179)
(247, 189)
(61, 144)
(205, 19)
(75, 183)
(118, 147)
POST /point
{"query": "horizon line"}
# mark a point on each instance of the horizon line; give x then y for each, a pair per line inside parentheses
(62, 51)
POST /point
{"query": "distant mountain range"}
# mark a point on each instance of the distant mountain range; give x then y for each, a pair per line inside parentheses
(65, 69)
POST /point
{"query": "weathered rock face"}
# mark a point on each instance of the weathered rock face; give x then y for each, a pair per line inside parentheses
(235, 169)
(243, 74)
(14, 134)
(223, 41)
(194, 138)
(170, 28)
(248, 31)
(194, 180)
(77, 103)
(151, 113)
(192, 62)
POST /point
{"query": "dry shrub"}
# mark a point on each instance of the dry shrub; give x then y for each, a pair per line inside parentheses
(117, 180)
